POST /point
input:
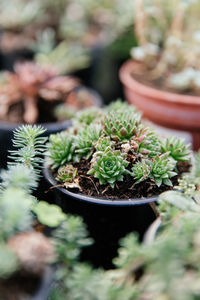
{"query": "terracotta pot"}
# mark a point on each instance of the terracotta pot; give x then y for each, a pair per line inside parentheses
(167, 109)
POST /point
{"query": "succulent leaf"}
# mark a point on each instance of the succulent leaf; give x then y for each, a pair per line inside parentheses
(109, 166)
(177, 148)
(120, 105)
(103, 143)
(140, 171)
(60, 149)
(87, 116)
(85, 140)
(150, 145)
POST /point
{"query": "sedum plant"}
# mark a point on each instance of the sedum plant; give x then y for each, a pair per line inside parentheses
(115, 147)
(168, 34)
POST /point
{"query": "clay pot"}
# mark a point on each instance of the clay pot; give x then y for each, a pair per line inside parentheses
(107, 220)
(176, 111)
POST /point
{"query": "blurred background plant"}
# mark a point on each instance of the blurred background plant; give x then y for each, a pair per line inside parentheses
(164, 266)
(168, 34)
(73, 36)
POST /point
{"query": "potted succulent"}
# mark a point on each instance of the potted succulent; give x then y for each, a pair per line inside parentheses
(110, 169)
(32, 93)
(163, 78)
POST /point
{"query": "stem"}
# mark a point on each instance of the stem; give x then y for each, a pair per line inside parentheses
(151, 232)
(154, 208)
(140, 21)
(31, 111)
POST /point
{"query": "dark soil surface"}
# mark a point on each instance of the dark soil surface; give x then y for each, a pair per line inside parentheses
(123, 190)
(144, 76)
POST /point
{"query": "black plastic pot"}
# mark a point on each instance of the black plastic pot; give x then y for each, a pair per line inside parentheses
(9, 59)
(34, 287)
(107, 221)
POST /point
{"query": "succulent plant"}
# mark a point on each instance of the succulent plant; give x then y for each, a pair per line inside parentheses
(85, 139)
(176, 148)
(116, 145)
(162, 169)
(103, 143)
(168, 38)
(146, 142)
(121, 125)
(66, 173)
(187, 185)
(27, 84)
(109, 166)
(60, 149)
(140, 171)
(120, 105)
(87, 115)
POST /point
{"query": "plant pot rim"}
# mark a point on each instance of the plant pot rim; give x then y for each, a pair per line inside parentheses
(95, 200)
(142, 89)
(50, 125)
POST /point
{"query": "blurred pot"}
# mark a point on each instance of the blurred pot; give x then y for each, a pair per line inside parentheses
(167, 109)
(107, 220)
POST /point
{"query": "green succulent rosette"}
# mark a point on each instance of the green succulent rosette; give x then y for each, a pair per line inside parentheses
(121, 126)
(109, 166)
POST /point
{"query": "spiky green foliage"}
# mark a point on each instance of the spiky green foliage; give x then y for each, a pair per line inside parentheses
(64, 112)
(15, 212)
(87, 116)
(103, 143)
(121, 125)
(109, 166)
(162, 169)
(140, 171)
(60, 149)
(64, 57)
(66, 173)
(176, 148)
(8, 261)
(69, 238)
(120, 105)
(85, 139)
(19, 176)
(30, 146)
